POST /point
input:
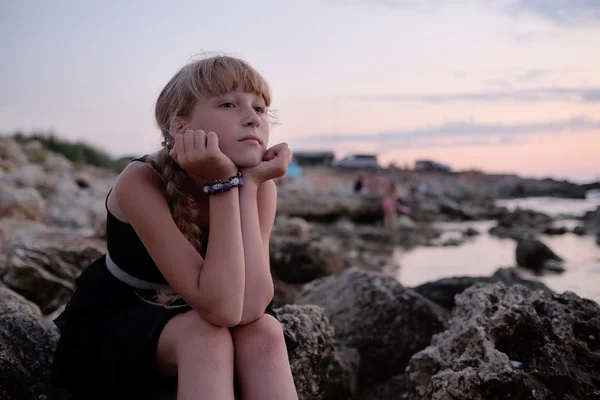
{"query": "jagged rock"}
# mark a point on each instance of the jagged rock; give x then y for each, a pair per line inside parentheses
(512, 343)
(386, 322)
(42, 263)
(534, 255)
(318, 372)
(27, 346)
(443, 291)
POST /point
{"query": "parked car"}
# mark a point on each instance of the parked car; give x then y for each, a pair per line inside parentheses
(358, 161)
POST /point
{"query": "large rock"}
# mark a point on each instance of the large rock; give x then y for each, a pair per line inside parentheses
(520, 223)
(42, 263)
(297, 261)
(22, 203)
(534, 255)
(327, 207)
(512, 343)
(386, 322)
(27, 344)
(319, 372)
(592, 221)
(12, 152)
(443, 291)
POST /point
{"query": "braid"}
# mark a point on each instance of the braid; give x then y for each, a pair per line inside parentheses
(181, 202)
(183, 210)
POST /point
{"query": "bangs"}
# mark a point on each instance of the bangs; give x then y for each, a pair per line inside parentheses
(220, 75)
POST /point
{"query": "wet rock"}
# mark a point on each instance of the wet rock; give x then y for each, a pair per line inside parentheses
(386, 322)
(534, 255)
(554, 230)
(444, 291)
(520, 224)
(471, 232)
(510, 342)
(579, 230)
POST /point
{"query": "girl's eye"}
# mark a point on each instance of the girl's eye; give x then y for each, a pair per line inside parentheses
(260, 110)
(228, 105)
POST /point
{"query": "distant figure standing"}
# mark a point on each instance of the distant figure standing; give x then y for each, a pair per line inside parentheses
(359, 184)
(389, 204)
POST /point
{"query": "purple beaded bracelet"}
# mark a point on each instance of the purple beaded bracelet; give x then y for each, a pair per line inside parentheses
(219, 186)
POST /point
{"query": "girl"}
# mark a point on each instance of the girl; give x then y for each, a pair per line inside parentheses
(183, 293)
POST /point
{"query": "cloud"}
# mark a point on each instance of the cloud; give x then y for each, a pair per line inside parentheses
(525, 95)
(558, 11)
(456, 134)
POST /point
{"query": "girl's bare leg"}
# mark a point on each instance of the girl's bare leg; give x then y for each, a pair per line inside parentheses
(261, 361)
(200, 355)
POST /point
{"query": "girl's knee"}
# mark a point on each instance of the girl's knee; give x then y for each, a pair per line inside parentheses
(261, 338)
(189, 333)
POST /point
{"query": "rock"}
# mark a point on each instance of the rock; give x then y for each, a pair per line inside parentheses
(520, 224)
(28, 341)
(12, 152)
(318, 372)
(42, 263)
(579, 230)
(29, 175)
(295, 227)
(512, 343)
(285, 292)
(553, 230)
(535, 255)
(392, 389)
(443, 291)
(27, 346)
(471, 232)
(598, 239)
(79, 209)
(328, 207)
(592, 221)
(386, 322)
(22, 203)
(296, 261)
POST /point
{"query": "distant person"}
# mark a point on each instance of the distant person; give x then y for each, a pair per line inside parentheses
(389, 204)
(359, 183)
(170, 302)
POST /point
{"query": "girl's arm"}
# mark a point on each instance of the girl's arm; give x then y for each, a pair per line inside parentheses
(213, 286)
(257, 209)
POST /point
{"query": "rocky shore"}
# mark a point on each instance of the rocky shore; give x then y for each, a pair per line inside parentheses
(362, 335)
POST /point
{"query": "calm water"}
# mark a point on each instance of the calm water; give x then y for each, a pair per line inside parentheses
(483, 254)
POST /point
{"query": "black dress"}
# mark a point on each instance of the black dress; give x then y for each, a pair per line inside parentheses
(109, 334)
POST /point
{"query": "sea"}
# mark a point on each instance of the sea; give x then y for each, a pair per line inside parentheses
(482, 255)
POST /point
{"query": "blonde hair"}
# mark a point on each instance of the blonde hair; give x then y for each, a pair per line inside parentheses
(206, 77)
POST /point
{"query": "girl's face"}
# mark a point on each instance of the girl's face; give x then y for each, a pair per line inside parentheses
(240, 121)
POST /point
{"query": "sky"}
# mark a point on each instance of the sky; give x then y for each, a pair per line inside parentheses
(505, 86)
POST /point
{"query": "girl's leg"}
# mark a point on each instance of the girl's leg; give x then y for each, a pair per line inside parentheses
(199, 354)
(261, 361)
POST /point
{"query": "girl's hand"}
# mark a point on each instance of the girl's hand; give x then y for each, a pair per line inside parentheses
(199, 154)
(273, 165)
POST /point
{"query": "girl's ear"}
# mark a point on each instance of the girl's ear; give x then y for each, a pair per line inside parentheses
(177, 126)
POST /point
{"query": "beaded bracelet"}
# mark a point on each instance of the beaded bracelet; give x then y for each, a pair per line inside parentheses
(219, 186)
